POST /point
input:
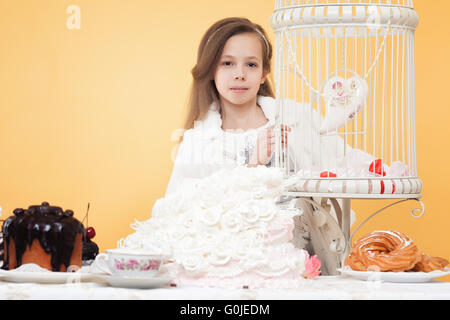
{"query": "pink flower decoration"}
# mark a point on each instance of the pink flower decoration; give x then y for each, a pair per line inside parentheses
(312, 266)
(119, 264)
(154, 264)
(146, 267)
(337, 85)
(133, 262)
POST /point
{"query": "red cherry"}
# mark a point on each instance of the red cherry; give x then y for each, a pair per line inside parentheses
(377, 168)
(382, 187)
(90, 233)
(328, 174)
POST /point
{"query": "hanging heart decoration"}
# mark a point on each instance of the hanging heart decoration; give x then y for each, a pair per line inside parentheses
(343, 100)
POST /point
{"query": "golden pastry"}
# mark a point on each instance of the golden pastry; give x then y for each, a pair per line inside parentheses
(384, 251)
(429, 263)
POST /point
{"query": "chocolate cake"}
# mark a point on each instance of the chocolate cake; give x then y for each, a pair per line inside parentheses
(44, 235)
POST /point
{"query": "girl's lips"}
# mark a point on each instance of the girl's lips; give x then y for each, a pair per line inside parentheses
(239, 90)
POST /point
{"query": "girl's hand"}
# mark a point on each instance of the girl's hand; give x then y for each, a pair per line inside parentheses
(265, 145)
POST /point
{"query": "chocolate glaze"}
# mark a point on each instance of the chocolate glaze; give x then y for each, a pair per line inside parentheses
(90, 250)
(55, 229)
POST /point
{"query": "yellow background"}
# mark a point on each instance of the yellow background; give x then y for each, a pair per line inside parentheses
(86, 115)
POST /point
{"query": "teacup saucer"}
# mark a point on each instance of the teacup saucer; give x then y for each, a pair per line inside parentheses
(135, 282)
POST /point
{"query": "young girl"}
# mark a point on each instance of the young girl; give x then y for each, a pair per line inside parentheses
(231, 107)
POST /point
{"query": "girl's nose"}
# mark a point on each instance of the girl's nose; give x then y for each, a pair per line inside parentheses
(239, 75)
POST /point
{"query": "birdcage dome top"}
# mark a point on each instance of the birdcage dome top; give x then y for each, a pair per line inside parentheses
(279, 4)
(310, 13)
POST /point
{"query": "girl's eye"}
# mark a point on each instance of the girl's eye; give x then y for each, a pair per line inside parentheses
(229, 63)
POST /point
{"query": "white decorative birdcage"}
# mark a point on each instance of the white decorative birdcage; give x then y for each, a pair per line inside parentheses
(345, 85)
(344, 82)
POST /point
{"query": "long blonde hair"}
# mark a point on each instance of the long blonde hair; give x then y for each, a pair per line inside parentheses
(203, 90)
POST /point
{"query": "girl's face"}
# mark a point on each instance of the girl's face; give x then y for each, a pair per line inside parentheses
(240, 73)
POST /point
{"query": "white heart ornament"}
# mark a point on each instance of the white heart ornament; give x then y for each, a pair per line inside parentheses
(343, 100)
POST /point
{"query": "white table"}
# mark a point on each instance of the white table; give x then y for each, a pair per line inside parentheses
(322, 288)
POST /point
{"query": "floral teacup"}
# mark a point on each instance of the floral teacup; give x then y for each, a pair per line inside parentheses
(125, 262)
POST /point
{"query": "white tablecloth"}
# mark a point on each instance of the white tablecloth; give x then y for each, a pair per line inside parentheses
(332, 287)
